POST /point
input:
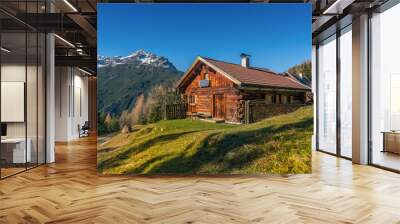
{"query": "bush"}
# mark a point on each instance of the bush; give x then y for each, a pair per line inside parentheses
(106, 124)
(101, 127)
(113, 126)
(158, 98)
(156, 113)
(142, 119)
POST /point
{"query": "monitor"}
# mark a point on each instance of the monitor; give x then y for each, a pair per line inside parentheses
(3, 129)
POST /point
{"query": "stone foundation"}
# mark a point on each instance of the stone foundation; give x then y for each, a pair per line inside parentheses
(256, 110)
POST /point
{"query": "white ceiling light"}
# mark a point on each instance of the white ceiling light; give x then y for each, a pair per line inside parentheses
(70, 5)
(337, 7)
(5, 50)
(86, 72)
(79, 51)
(65, 41)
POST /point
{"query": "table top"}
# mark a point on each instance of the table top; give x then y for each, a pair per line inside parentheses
(13, 140)
(391, 132)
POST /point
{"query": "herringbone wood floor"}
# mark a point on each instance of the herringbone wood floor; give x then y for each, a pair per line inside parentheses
(70, 191)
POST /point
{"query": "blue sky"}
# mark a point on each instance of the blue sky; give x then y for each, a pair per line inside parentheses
(277, 36)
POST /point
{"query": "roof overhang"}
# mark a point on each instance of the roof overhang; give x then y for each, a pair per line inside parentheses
(271, 88)
(187, 74)
(202, 60)
(291, 76)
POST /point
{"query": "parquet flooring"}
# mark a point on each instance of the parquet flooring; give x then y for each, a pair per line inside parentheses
(70, 191)
(11, 170)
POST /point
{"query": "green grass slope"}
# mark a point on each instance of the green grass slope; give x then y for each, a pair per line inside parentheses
(279, 145)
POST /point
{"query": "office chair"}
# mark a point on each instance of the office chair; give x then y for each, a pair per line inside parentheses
(84, 130)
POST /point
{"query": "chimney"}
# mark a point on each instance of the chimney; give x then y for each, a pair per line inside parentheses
(245, 60)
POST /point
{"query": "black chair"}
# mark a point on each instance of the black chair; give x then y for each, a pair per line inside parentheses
(84, 130)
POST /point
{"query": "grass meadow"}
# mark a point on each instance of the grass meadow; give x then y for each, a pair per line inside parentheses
(277, 145)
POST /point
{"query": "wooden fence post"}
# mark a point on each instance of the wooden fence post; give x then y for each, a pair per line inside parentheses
(247, 111)
(175, 111)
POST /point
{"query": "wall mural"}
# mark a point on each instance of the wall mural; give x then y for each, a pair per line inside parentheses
(204, 89)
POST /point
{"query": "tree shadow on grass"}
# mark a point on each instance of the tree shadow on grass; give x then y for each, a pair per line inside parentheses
(119, 159)
(108, 149)
(141, 169)
(225, 153)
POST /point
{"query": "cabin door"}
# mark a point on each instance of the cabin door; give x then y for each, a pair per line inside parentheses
(219, 106)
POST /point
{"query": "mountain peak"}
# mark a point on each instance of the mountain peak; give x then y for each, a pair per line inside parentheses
(139, 57)
(139, 52)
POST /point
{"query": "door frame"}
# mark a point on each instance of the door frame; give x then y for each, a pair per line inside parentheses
(223, 109)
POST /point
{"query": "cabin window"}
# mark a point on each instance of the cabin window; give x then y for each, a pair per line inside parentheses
(284, 99)
(268, 98)
(204, 82)
(184, 98)
(277, 99)
(192, 100)
(291, 99)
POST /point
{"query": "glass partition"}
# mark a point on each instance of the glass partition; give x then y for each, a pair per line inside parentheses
(32, 98)
(22, 88)
(13, 105)
(327, 95)
(385, 89)
(345, 58)
(41, 97)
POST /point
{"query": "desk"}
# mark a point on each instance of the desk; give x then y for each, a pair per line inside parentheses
(391, 141)
(13, 150)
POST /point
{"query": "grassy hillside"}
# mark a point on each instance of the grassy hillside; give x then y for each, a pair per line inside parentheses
(280, 144)
(120, 85)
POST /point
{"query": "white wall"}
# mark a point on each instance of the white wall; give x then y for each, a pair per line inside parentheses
(62, 81)
(16, 73)
(71, 102)
(33, 126)
(11, 73)
(80, 110)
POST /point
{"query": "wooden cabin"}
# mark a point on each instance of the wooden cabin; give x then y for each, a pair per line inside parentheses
(220, 90)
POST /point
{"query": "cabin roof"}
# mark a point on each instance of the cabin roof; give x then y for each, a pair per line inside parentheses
(250, 76)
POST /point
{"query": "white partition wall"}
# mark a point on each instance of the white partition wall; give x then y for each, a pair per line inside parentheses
(327, 95)
(71, 102)
(12, 98)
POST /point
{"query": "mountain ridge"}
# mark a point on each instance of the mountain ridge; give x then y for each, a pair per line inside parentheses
(140, 56)
(122, 79)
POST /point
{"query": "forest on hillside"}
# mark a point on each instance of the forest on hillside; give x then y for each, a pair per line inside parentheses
(302, 68)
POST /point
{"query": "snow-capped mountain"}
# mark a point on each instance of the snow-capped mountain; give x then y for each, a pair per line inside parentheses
(121, 79)
(140, 57)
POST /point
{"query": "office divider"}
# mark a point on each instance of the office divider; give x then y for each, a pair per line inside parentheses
(22, 77)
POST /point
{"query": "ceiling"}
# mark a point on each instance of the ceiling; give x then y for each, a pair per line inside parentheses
(75, 21)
